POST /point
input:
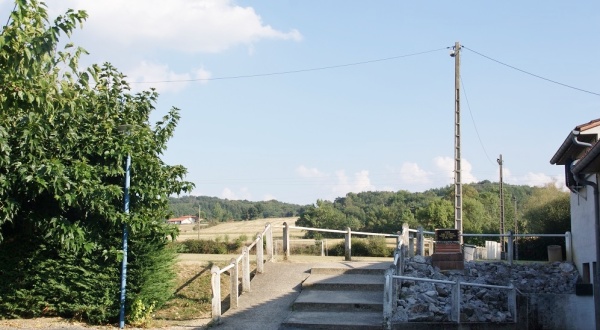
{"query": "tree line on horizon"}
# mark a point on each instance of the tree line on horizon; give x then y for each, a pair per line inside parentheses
(537, 209)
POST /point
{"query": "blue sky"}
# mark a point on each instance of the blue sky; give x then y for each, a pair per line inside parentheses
(385, 124)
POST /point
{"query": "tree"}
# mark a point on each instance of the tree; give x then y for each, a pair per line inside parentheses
(548, 211)
(64, 137)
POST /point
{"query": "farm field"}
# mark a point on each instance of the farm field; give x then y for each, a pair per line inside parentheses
(235, 229)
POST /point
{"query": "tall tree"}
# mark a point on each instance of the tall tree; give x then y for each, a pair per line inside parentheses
(64, 138)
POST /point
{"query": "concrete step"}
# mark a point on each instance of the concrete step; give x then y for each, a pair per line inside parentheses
(337, 282)
(365, 268)
(334, 320)
(337, 301)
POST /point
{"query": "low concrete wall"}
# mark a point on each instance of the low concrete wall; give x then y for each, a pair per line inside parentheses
(556, 311)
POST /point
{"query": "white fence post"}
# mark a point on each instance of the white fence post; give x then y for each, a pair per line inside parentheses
(348, 244)
(269, 241)
(286, 241)
(245, 269)
(216, 293)
(234, 275)
(512, 302)
(420, 243)
(260, 267)
(388, 298)
(456, 302)
(568, 247)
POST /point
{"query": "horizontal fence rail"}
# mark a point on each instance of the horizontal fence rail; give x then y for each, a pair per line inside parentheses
(233, 268)
(347, 238)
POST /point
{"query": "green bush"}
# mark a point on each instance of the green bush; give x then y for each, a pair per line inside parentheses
(370, 247)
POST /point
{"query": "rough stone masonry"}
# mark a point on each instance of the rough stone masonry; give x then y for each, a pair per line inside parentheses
(431, 302)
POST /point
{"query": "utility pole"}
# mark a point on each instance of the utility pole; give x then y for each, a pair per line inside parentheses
(500, 162)
(457, 161)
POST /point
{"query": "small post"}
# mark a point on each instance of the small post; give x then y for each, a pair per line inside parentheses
(234, 291)
(286, 241)
(510, 247)
(322, 248)
(411, 247)
(420, 243)
(260, 266)
(568, 246)
(348, 244)
(216, 293)
(269, 241)
(456, 302)
(512, 302)
(245, 269)
(400, 270)
(405, 234)
(388, 299)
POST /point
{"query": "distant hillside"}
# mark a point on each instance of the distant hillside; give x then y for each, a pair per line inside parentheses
(217, 209)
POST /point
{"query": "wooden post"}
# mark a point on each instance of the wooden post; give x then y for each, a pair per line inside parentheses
(260, 267)
(348, 244)
(269, 241)
(286, 241)
(568, 247)
(234, 291)
(245, 269)
(216, 293)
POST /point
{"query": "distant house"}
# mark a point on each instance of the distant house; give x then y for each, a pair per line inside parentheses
(580, 154)
(186, 219)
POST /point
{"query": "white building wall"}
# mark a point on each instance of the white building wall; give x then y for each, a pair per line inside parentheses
(583, 227)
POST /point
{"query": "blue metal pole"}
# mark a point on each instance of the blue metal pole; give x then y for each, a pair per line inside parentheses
(125, 234)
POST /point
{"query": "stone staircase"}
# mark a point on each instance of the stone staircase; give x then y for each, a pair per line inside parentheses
(340, 296)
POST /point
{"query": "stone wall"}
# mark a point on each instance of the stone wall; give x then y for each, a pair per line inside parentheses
(545, 291)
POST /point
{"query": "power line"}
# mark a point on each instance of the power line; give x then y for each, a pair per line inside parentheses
(533, 74)
(291, 71)
(473, 120)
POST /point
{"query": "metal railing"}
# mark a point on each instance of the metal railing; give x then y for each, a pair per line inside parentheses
(347, 238)
(233, 268)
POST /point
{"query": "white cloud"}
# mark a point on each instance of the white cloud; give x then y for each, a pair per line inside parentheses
(241, 194)
(344, 185)
(306, 172)
(534, 179)
(446, 165)
(193, 26)
(412, 174)
(150, 74)
(269, 197)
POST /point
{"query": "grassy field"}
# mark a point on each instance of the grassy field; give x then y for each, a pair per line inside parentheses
(235, 229)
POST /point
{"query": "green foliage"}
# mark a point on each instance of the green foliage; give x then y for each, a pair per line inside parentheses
(141, 313)
(548, 211)
(385, 212)
(370, 247)
(203, 246)
(61, 176)
(218, 210)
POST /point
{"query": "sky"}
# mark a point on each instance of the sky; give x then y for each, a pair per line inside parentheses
(304, 100)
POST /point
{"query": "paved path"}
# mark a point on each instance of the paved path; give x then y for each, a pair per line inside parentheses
(268, 307)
